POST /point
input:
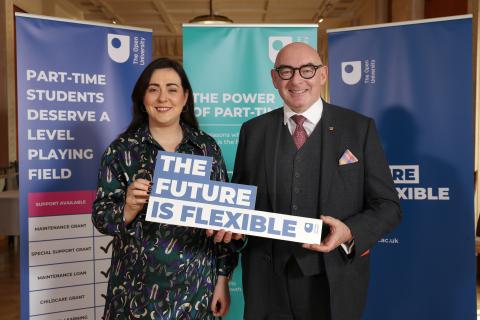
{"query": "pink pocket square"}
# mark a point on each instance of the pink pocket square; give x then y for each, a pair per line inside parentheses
(347, 158)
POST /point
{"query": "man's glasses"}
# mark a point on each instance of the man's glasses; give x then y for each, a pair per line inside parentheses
(306, 71)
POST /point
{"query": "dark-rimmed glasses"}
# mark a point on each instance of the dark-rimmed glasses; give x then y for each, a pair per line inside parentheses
(306, 71)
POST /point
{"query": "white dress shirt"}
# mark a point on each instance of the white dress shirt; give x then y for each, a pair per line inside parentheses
(312, 115)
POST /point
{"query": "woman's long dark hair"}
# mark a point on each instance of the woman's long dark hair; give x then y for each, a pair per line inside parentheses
(140, 116)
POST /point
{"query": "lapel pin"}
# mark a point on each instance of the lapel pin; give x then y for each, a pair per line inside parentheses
(331, 129)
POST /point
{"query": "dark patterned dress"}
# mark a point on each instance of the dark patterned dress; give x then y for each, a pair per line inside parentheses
(158, 271)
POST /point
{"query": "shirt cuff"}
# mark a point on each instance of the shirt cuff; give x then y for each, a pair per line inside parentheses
(348, 246)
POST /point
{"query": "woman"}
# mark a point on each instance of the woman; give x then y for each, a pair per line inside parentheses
(159, 271)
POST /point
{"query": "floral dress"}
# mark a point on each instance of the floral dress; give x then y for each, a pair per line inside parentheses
(158, 271)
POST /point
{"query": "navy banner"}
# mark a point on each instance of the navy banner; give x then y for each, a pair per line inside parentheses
(415, 80)
(74, 85)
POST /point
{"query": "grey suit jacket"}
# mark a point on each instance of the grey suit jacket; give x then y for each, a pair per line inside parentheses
(361, 194)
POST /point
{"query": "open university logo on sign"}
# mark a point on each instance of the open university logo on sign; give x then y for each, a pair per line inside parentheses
(275, 44)
(351, 72)
(118, 47)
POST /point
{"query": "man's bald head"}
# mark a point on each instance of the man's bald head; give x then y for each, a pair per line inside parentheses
(298, 49)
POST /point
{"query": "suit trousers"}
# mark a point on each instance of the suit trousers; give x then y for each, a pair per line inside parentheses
(298, 297)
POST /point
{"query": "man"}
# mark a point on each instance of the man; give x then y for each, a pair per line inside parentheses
(316, 160)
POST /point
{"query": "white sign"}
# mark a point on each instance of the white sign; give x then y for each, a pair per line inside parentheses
(185, 196)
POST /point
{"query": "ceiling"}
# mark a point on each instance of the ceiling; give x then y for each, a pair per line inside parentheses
(166, 17)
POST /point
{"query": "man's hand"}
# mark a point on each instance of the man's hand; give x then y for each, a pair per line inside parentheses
(223, 236)
(339, 233)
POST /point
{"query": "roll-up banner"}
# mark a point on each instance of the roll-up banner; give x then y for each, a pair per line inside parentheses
(415, 80)
(229, 69)
(74, 85)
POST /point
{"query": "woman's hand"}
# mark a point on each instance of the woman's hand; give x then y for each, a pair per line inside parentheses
(221, 297)
(137, 195)
(224, 236)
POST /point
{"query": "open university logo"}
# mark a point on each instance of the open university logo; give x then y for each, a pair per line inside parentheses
(118, 47)
(351, 72)
(275, 44)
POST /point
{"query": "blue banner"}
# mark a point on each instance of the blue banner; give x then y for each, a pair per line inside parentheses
(415, 80)
(74, 85)
(229, 69)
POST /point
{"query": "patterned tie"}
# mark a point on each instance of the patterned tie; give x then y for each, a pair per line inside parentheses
(299, 135)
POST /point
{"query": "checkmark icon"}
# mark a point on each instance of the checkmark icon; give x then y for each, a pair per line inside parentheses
(105, 249)
(106, 274)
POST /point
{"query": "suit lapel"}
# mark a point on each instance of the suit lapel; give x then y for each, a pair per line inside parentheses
(330, 139)
(272, 136)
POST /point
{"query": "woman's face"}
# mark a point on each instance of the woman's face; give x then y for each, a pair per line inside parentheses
(164, 98)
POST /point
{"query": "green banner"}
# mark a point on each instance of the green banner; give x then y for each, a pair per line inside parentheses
(229, 69)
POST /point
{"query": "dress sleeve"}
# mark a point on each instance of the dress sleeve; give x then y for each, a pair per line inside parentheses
(226, 253)
(107, 213)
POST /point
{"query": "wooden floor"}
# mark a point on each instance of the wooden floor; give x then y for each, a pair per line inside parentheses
(10, 282)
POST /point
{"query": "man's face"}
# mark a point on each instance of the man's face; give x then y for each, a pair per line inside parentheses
(299, 93)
